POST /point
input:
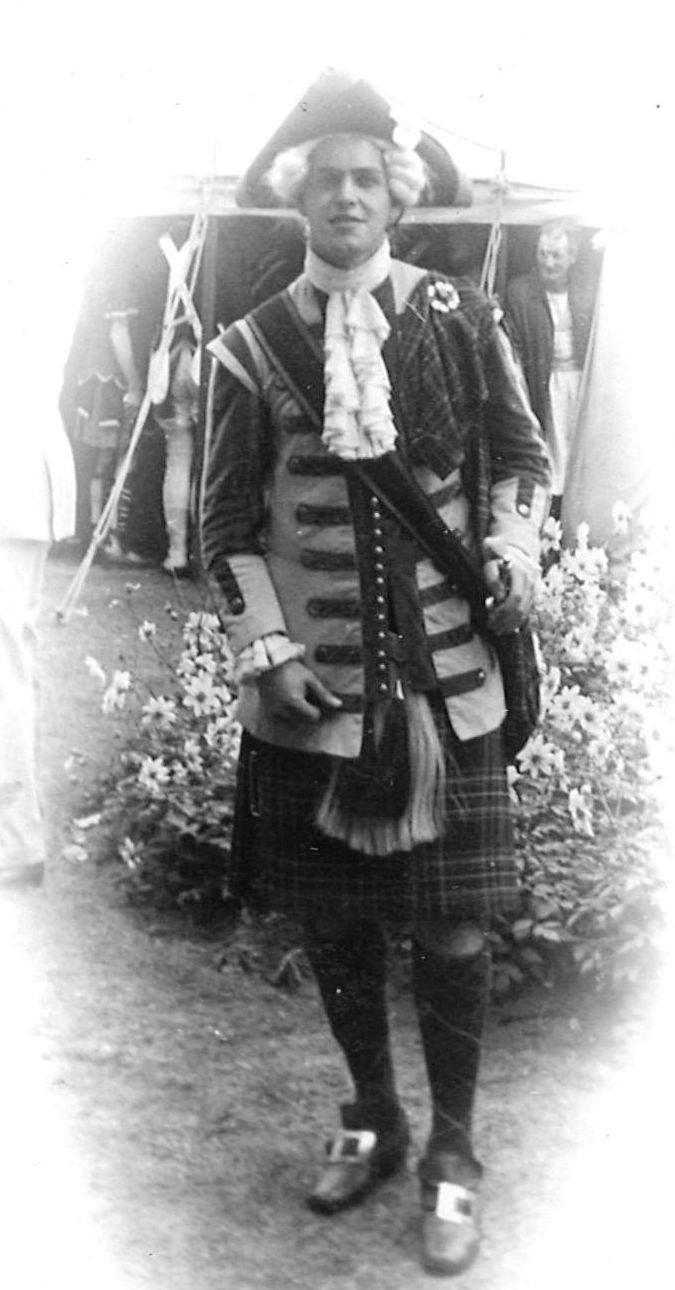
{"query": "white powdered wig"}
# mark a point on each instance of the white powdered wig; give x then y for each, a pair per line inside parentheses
(407, 175)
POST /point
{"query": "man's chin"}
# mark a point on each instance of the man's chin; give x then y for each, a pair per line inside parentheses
(346, 252)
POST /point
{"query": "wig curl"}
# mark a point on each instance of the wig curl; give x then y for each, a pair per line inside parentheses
(407, 175)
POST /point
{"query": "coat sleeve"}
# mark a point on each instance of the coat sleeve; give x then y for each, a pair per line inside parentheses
(514, 317)
(519, 463)
(237, 459)
(529, 326)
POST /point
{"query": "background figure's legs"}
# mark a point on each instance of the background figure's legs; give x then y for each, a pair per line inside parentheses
(176, 494)
(101, 484)
(85, 464)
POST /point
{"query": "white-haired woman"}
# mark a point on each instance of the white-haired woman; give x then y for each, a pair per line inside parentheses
(372, 782)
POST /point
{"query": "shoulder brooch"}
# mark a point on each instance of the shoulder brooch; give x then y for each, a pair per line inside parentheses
(443, 297)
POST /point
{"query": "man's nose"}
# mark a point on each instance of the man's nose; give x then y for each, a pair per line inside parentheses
(346, 189)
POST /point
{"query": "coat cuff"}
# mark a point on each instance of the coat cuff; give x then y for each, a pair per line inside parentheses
(517, 520)
(246, 600)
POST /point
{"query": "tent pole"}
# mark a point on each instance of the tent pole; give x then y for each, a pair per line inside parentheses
(502, 262)
(109, 512)
(208, 300)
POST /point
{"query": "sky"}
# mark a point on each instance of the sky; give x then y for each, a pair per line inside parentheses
(175, 87)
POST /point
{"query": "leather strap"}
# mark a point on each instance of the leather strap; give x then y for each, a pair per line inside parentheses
(292, 350)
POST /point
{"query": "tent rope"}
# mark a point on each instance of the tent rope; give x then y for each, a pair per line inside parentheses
(489, 270)
(184, 268)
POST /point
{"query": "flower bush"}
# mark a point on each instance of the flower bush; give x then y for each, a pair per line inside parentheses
(169, 802)
(586, 788)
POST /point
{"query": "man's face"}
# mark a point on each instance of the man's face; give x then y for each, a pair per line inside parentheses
(555, 258)
(346, 201)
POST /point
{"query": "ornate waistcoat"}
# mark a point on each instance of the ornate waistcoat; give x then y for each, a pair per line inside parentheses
(334, 570)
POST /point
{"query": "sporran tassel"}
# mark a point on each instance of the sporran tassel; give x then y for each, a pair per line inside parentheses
(393, 816)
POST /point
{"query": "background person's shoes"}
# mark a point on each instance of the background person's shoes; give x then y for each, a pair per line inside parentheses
(357, 1160)
(450, 1231)
(113, 556)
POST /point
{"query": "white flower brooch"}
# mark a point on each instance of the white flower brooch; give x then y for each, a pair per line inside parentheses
(443, 296)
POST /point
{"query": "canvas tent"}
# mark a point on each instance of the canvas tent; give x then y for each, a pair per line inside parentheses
(239, 239)
(621, 449)
(250, 253)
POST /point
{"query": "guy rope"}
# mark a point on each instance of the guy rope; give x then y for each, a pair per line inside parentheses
(489, 270)
(184, 264)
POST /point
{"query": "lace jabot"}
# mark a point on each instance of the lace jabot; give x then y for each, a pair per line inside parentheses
(357, 420)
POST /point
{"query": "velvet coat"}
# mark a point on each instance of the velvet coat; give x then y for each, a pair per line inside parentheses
(530, 326)
(289, 547)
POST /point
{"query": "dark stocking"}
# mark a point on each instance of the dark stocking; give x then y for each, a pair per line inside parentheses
(451, 997)
(350, 968)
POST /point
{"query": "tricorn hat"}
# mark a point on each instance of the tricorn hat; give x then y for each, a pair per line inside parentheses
(340, 104)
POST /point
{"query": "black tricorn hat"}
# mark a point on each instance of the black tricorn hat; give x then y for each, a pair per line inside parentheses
(340, 104)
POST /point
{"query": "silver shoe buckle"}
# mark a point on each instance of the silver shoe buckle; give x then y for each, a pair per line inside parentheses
(351, 1146)
(454, 1204)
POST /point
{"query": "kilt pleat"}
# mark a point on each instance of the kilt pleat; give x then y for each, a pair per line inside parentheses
(281, 861)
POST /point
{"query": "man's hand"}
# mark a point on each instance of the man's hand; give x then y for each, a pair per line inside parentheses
(511, 586)
(291, 692)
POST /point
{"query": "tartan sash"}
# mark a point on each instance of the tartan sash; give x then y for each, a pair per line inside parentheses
(293, 351)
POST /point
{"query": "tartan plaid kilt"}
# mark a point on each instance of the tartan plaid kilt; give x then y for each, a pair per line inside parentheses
(282, 862)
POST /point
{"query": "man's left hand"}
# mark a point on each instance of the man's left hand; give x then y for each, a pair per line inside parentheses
(511, 596)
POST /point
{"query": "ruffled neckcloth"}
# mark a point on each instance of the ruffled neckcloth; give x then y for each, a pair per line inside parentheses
(357, 420)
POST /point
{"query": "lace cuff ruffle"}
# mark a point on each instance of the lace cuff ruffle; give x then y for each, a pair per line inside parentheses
(263, 654)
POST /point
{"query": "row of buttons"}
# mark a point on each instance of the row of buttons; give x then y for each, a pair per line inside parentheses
(382, 661)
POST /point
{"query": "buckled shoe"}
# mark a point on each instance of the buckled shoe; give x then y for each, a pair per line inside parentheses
(450, 1204)
(357, 1159)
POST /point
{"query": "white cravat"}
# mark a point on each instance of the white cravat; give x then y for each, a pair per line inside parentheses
(357, 417)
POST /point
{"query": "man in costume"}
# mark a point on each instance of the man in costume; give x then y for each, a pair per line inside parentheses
(548, 317)
(372, 786)
(99, 400)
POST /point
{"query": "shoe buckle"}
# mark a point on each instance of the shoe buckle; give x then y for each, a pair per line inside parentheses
(350, 1146)
(454, 1204)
